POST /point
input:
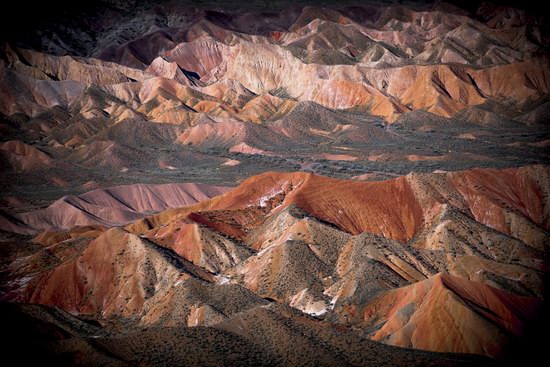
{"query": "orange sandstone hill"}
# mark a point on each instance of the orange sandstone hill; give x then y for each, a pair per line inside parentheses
(418, 315)
(397, 209)
(413, 262)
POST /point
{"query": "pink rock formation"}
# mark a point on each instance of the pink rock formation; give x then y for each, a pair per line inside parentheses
(114, 206)
(439, 61)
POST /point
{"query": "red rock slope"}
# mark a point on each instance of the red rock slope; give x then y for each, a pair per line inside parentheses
(396, 209)
(445, 313)
(409, 261)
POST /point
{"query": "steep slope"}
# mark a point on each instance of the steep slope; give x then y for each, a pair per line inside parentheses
(395, 209)
(381, 257)
(92, 281)
(114, 206)
(450, 314)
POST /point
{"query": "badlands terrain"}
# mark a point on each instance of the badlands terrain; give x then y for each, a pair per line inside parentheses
(305, 183)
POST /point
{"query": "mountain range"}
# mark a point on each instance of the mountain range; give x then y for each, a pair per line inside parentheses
(191, 183)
